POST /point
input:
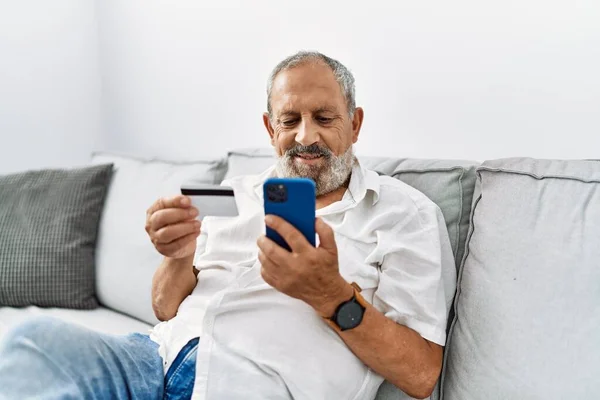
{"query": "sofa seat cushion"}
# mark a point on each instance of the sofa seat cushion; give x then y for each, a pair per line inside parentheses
(100, 319)
(527, 322)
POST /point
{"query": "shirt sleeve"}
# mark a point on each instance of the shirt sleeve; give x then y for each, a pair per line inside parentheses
(417, 275)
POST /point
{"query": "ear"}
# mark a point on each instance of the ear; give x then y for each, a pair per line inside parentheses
(357, 121)
(270, 130)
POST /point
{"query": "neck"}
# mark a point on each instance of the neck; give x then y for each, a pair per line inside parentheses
(331, 197)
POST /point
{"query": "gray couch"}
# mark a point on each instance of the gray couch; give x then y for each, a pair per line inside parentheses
(526, 240)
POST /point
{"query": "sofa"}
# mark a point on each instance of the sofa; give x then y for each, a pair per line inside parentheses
(525, 235)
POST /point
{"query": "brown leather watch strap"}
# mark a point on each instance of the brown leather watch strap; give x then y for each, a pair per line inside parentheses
(361, 300)
(358, 298)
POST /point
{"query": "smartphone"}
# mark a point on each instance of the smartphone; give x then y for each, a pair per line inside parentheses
(211, 200)
(294, 200)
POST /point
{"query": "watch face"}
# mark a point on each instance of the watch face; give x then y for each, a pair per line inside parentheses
(349, 315)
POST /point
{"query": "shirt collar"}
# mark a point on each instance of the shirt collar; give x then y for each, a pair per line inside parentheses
(362, 181)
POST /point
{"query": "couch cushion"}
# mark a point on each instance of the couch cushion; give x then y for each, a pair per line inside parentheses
(249, 161)
(527, 322)
(101, 319)
(48, 228)
(448, 183)
(126, 259)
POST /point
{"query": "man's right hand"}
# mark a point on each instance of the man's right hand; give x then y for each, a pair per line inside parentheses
(172, 226)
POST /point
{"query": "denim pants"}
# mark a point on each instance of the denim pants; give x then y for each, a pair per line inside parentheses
(46, 358)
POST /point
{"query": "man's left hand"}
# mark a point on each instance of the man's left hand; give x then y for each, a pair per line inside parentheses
(308, 273)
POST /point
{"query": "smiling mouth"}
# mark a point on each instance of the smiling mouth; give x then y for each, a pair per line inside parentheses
(306, 156)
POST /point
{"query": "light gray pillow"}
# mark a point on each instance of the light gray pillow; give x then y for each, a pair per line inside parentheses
(527, 320)
(249, 161)
(448, 183)
(48, 227)
(126, 259)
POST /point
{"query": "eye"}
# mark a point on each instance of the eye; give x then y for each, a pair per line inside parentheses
(324, 120)
(289, 122)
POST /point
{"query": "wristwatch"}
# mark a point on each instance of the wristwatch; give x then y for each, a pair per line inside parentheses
(349, 314)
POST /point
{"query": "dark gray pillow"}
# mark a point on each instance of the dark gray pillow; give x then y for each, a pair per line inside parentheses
(48, 227)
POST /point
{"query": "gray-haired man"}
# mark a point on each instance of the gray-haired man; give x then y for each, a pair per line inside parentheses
(246, 319)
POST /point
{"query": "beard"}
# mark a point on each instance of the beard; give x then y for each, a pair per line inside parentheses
(331, 174)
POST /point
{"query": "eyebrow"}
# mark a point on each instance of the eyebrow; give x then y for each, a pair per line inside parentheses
(325, 109)
(315, 111)
(287, 113)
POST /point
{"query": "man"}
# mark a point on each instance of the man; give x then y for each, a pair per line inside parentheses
(246, 319)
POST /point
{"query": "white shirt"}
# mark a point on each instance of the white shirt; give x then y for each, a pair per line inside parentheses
(258, 343)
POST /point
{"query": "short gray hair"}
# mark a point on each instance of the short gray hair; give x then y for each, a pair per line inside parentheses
(340, 72)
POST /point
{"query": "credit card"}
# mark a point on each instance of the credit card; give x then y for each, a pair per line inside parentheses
(211, 200)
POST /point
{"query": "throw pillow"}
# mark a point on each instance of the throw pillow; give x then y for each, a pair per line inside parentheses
(48, 228)
(448, 183)
(126, 259)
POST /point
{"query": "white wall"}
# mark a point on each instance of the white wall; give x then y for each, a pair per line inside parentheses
(49, 84)
(185, 79)
(445, 79)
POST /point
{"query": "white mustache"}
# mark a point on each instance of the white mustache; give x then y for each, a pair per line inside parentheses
(308, 150)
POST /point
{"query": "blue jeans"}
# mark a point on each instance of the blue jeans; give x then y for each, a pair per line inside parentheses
(46, 358)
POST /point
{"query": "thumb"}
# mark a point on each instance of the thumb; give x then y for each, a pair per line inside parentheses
(326, 236)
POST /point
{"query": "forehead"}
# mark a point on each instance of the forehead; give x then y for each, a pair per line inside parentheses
(306, 87)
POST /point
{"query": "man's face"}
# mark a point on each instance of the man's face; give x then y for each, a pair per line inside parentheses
(310, 127)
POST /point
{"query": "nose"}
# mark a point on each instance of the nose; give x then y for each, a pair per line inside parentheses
(308, 132)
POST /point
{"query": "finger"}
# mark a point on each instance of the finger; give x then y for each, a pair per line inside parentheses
(170, 216)
(266, 262)
(173, 247)
(326, 235)
(169, 202)
(267, 277)
(171, 233)
(272, 251)
(294, 238)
